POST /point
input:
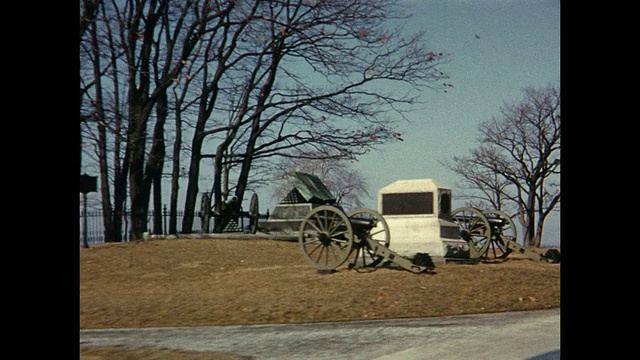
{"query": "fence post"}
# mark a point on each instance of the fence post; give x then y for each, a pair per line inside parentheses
(85, 242)
(164, 213)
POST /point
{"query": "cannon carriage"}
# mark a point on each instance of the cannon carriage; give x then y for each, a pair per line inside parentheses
(329, 237)
(492, 235)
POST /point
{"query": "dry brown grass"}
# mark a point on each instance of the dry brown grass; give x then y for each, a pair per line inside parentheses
(159, 283)
(122, 353)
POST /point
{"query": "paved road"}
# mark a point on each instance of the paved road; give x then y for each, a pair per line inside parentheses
(512, 335)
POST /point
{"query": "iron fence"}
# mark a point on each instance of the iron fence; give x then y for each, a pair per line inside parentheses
(95, 225)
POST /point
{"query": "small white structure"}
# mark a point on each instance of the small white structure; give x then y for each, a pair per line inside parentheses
(418, 213)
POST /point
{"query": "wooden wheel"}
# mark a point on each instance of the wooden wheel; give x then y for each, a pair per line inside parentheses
(254, 214)
(367, 224)
(474, 229)
(502, 229)
(326, 237)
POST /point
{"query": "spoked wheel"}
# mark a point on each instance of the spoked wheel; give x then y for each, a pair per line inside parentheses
(474, 229)
(367, 224)
(326, 237)
(253, 214)
(502, 229)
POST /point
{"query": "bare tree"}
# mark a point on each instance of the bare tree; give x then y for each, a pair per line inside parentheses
(311, 79)
(485, 188)
(251, 81)
(517, 166)
(152, 40)
(101, 113)
(88, 14)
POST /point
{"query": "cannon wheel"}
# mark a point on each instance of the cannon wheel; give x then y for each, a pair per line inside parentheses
(498, 246)
(364, 255)
(474, 229)
(326, 237)
(253, 214)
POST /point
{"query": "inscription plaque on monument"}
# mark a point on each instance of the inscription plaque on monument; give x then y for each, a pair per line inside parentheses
(407, 203)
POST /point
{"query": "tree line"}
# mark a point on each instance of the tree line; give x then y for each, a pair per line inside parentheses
(168, 86)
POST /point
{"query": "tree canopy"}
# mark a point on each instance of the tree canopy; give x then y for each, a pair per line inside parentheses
(236, 85)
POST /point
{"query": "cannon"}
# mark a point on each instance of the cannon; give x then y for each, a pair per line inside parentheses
(229, 219)
(492, 235)
(329, 237)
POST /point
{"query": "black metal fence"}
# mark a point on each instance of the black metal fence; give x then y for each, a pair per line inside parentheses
(95, 225)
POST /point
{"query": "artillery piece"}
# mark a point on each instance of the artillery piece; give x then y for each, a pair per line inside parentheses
(230, 219)
(492, 235)
(329, 237)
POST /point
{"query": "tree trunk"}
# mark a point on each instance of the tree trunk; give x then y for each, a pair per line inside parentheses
(196, 154)
(192, 185)
(107, 218)
(217, 188)
(539, 231)
(175, 175)
(157, 203)
(243, 178)
(119, 195)
(530, 232)
(155, 164)
(205, 215)
(120, 169)
(136, 149)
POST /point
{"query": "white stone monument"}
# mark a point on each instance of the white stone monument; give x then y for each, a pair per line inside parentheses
(418, 213)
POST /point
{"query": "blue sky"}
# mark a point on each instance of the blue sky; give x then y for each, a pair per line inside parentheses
(518, 46)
